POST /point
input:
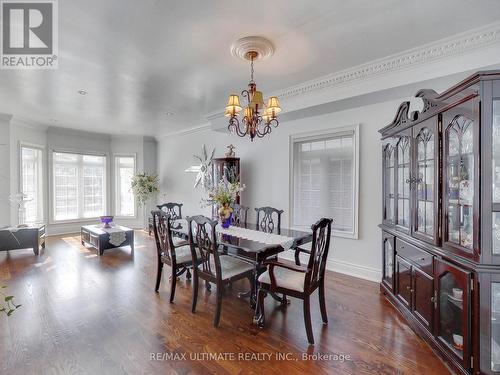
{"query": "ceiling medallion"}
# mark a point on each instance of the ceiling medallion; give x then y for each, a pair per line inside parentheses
(258, 118)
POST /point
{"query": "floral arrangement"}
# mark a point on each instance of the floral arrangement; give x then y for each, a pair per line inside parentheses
(144, 187)
(225, 193)
(7, 304)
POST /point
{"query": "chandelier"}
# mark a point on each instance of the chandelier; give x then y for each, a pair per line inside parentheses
(257, 118)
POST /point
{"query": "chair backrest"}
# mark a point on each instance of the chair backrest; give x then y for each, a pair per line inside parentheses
(240, 213)
(174, 209)
(322, 231)
(202, 236)
(265, 220)
(163, 235)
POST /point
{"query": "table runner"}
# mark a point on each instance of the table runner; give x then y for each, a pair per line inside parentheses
(248, 234)
(116, 235)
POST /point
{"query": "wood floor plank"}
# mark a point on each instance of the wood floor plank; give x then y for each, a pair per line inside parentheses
(86, 314)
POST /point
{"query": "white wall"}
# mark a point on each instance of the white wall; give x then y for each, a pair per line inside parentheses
(149, 166)
(265, 171)
(4, 169)
(129, 145)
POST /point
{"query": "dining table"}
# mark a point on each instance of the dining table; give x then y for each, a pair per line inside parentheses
(253, 243)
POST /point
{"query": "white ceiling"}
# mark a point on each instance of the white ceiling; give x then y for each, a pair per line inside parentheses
(141, 59)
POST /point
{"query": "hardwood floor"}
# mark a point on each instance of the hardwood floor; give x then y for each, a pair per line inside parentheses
(85, 314)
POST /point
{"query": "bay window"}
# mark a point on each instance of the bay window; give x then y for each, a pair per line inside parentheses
(79, 186)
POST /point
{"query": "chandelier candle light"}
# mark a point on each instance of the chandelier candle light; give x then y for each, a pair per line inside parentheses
(258, 118)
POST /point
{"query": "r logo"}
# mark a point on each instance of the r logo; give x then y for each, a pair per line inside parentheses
(27, 28)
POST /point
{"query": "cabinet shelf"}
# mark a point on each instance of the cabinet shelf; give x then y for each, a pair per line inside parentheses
(456, 202)
(424, 200)
(457, 303)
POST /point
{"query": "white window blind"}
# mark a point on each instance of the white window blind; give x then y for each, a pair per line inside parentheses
(32, 184)
(124, 171)
(325, 181)
(79, 185)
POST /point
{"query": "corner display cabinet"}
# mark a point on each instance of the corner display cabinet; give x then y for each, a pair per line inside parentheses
(441, 221)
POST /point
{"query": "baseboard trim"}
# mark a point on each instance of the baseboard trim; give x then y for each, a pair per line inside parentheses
(346, 268)
(75, 229)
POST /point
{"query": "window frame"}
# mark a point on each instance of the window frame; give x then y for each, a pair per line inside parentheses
(321, 135)
(116, 184)
(42, 194)
(51, 208)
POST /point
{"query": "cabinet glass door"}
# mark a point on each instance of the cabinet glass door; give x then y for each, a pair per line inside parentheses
(388, 251)
(389, 160)
(495, 327)
(425, 194)
(496, 176)
(495, 243)
(403, 183)
(453, 316)
(459, 194)
(496, 151)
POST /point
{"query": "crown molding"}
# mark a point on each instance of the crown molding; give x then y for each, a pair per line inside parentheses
(192, 130)
(27, 123)
(77, 133)
(457, 44)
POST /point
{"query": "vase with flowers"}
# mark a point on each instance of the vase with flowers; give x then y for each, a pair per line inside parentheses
(224, 194)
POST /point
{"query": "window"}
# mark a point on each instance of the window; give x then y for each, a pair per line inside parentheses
(124, 171)
(79, 186)
(325, 180)
(32, 184)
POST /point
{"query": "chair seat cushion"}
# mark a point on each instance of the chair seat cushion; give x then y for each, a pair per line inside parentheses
(285, 278)
(231, 266)
(183, 254)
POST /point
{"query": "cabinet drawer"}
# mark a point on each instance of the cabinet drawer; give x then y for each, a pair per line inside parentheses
(420, 258)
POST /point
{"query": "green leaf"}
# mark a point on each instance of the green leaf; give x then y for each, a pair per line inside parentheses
(9, 298)
(10, 312)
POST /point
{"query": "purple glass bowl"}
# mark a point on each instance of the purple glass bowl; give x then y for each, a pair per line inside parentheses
(106, 220)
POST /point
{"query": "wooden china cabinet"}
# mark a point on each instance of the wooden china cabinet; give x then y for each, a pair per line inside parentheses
(441, 221)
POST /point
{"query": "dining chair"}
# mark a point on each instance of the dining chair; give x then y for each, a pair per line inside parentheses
(240, 214)
(299, 281)
(268, 218)
(178, 257)
(172, 208)
(213, 266)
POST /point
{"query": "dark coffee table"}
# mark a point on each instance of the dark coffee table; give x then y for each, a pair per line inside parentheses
(107, 238)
